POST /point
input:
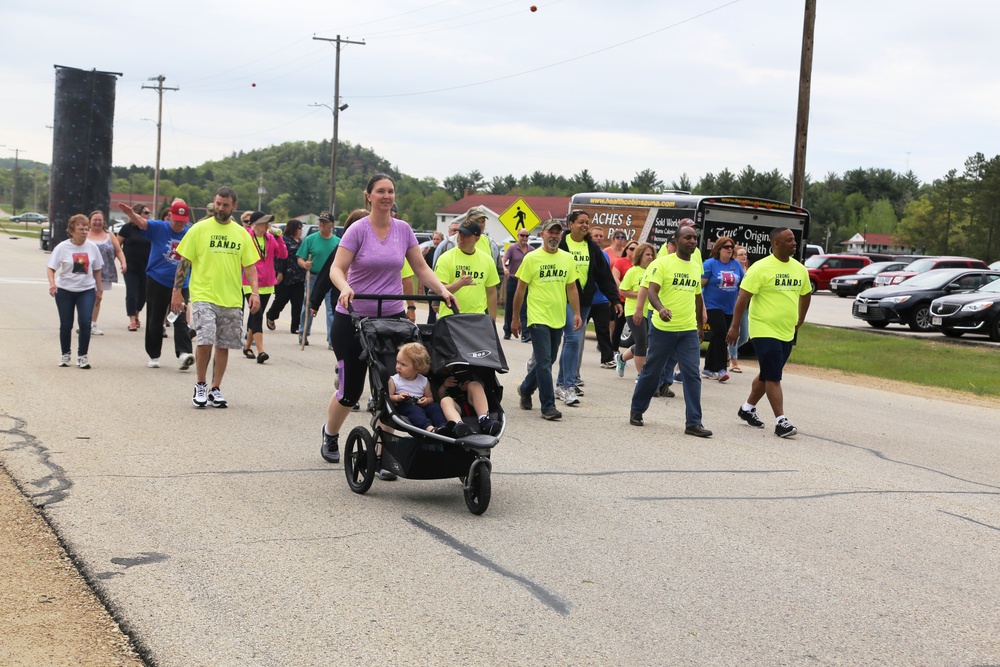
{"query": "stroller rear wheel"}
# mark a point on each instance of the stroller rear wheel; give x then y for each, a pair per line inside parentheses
(477, 486)
(359, 459)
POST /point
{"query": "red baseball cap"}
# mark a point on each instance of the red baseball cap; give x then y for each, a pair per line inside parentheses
(179, 211)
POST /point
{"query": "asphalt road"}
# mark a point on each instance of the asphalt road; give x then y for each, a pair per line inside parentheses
(219, 537)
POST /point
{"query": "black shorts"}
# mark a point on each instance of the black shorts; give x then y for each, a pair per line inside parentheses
(771, 356)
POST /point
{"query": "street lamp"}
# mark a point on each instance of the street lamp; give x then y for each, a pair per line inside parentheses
(333, 154)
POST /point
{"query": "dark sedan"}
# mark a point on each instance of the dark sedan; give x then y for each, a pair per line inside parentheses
(910, 301)
(852, 285)
(974, 312)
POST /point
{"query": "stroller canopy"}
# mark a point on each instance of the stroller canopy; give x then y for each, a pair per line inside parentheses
(466, 340)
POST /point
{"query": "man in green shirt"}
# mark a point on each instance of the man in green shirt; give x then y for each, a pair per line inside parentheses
(312, 256)
(780, 291)
(217, 252)
(551, 275)
(469, 274)
(674, 294)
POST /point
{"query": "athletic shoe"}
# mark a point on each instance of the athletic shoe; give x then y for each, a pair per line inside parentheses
(489, 426)
(462, 429)
(560, 394)
(569, 396)
(579, 383)
(723, 376)
(698, 431)
(65, 360)
(215, 398)
(200, 398)
(82, 362)
(95, 330)
(750, 417)
(329, 450)
(784, 429)
(663, 391)
(578, 388)
(525, 338)
(711, 375)
(619, 364)
(635, 418)
(153, 363)
(551, 414)
(506, 336)
(678, 377)
(525, 401)
(386, 475)
(186, 360)
(610, 364)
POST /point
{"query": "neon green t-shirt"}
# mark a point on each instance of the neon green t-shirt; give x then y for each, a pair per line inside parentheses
(452, 264)
(679, 282)
(776, 287)
(630, 283)
(218, 254)
(547, 275)
(695, 257)
(581, 255)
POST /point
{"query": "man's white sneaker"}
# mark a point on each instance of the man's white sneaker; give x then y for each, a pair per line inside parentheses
(200, 398)
(186, 360)
(215, 398)
(83, 362)
(65, 360)
(569, 396)
(153, 363)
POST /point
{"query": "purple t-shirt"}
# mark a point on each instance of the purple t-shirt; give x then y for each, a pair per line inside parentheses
(377, 265)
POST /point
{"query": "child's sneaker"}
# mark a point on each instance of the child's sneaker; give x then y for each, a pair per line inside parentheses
(489, 426)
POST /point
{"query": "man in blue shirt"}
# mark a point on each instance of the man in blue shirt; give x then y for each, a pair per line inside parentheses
(164, 237)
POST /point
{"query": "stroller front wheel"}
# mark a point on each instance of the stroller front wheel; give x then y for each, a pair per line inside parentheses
(477, 486)
(359, 459)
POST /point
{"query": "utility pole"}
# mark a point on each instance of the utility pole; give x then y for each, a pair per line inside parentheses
(337, 108)
(802, 124)
(17, 154)
(260, 191)
(159, 88)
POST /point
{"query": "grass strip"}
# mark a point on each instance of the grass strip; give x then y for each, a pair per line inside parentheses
(932, 363)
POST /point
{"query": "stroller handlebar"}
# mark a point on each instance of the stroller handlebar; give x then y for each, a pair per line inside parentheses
(429, 298)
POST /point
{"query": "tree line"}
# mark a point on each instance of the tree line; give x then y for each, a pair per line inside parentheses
(956, 214)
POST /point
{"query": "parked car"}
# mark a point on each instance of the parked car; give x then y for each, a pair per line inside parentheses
(995, 266)
(812, 249)
(928, 264)
(824, 268)
(30, 217)
(910, 302)
(973, 312)
(45, 239)
(854, 284)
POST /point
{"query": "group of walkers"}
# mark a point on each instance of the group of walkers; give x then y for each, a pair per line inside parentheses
(657, 305)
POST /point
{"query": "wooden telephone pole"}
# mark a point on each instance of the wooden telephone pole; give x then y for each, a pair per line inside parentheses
(159, 88)
(802, 124)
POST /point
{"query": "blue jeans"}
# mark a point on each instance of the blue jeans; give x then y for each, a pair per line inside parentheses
(508, 309)
(667, 376)
(662, 344)
(83, 304)
(569, 361)
(328, 300)
(544, 345)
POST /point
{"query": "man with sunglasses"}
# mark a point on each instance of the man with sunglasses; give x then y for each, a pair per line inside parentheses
(512, 259)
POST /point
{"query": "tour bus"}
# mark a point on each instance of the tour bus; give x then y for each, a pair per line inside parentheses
(654, 218)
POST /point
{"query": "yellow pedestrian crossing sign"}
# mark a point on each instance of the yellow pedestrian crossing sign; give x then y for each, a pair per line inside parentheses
(519, 216)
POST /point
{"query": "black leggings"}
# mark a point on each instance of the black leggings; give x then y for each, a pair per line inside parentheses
(718, 351)
(285, 293)
(255, 320)
(351, 367)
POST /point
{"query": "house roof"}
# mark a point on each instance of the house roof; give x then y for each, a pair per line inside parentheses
(544, 207)
(874, 239)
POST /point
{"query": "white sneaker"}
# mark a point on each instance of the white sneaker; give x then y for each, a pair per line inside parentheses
(711, 375)
(200, 398)
(186, 360)
(560, 394)
(82, 362)
(95, 330)
(569, 396)
(65, 360)
(153, 363)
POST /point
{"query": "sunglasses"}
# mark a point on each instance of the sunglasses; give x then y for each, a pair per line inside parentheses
(620, 236)
(522, 236)
(726, 247)
(631, 248)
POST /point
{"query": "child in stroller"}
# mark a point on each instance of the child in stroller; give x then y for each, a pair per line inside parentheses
(410, 392)
(467, 394)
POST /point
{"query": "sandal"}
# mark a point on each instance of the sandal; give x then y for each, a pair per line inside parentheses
(270, 324)
(133, 327)
(736, 369)
(262, 357)
(248, 353)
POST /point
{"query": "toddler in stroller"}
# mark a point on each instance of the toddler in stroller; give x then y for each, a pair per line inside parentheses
(410, 391)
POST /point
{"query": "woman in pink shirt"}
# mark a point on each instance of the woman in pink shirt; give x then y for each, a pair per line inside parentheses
(269, 248)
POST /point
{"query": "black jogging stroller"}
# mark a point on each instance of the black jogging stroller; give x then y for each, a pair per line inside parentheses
(461, 345)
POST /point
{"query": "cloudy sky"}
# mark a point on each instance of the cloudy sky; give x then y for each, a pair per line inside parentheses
(441, 87)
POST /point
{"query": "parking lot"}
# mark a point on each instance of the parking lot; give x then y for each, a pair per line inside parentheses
(219, 537)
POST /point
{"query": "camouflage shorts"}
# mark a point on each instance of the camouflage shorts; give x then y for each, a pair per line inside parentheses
(217, 326)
